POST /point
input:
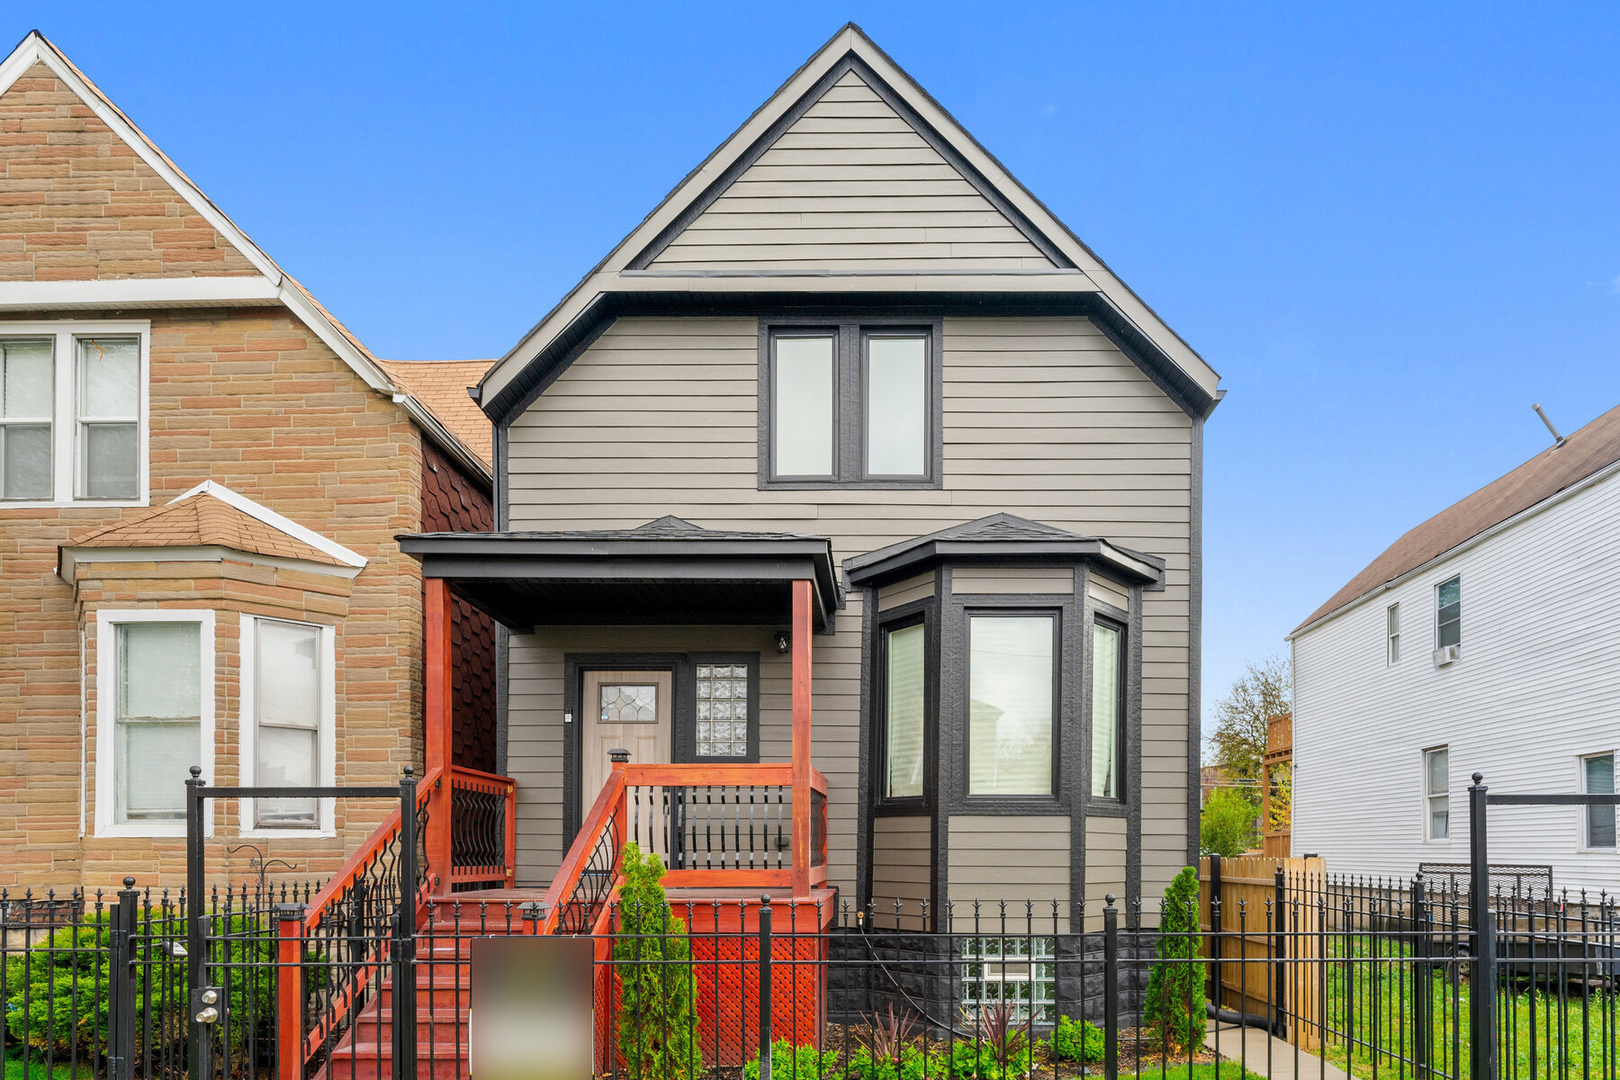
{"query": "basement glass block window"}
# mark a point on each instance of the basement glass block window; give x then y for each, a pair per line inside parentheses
(1448, 613)
(722, 710)
(1597, 776)
(1018, 971)
(25, 419)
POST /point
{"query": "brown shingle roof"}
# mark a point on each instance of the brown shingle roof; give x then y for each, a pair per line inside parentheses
(202, 521)
(441, 387)
(1549, 472)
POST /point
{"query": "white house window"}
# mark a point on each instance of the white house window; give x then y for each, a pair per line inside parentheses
(288, 713)
(1392, 631)
(73, 413)
(1437, 794)
(155, 705)
(1448, 613)
(896, 399)
(1597, 778)
(803, 385)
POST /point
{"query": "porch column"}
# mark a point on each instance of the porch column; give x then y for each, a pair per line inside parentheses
(436, 609)
(801, 632)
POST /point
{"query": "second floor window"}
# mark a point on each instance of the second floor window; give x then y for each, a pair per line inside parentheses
(1392, 631)
(72, 412)
(1448, 613)
(850, 404)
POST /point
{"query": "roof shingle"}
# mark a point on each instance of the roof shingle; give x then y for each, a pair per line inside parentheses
(441, 387)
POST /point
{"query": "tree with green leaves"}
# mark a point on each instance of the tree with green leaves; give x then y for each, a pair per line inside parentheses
(1226, 827)
(1239, 739)
(657, 1020)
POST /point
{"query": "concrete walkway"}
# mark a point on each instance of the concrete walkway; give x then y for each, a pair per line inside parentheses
(1251, 1045)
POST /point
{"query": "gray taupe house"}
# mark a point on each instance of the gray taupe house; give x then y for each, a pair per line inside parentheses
(859, 501)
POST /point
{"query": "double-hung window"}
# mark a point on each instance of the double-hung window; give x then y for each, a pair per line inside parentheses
(1012, 703)
(1448, 613)
(1437, 794)
(73, 413)
(155, 717)
(1392, 634)
(847, 404)
(1107, 711)
(905, 674)
(1597, 778)
(288, 707)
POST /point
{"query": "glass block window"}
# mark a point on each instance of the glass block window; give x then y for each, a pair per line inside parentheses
(1021, 971)
(722, 710)
(629, 703)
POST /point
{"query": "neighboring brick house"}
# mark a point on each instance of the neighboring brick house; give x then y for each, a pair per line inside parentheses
(201, 477)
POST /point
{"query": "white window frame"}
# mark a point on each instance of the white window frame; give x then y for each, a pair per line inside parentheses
(1392, 634)
(326, 739)
(1438, 586)
(107, 623)
(1583, 820)
(1427, 796)
(65, 463)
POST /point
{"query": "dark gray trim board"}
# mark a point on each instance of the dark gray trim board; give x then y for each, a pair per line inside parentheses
(1195, 640)
(572, 341)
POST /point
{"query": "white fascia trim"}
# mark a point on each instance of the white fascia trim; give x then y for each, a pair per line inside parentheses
(136, 292)
(1473, 541)
(441, 435)
(68, 564)
(312, 317)
(274, 520)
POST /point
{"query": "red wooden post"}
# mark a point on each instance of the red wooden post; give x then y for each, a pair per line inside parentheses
(436, 609)
(289, 992)
(801, 631)
(511, 836)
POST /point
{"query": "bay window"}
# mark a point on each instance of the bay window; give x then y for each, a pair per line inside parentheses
(1107, 711)
(288, 707)
(1012, 694)
(904, 705)
(73, 413)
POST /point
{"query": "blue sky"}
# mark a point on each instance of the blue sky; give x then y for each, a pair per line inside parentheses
(1391, 227)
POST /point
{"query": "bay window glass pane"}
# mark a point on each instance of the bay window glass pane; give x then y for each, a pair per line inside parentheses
(110, 470)
(896, 406)
(1600, 819)
(26, 454)
(903, 714)
(287, 688)
(1105, 702)
(802, 406)
(158, 721)
(1010, 705)
(25, 380)
(109, 378)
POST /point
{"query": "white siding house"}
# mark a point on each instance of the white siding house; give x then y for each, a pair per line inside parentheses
(1531, 700)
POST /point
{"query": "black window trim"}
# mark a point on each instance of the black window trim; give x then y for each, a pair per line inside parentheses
(917, 613)
(1056, 796)
(1121, 798)
(849, 404)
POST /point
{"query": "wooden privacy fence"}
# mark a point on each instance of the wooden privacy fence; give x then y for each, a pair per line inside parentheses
(1266, 960)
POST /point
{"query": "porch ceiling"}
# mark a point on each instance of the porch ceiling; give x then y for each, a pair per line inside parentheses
(647, 576)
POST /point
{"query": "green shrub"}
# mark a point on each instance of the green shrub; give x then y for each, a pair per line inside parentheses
(979, 1059)
(789, 1062)
(1226, 827)
(1175, 994)
(1078, 1041)
(657, 1024)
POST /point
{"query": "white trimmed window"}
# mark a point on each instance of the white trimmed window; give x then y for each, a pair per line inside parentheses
(1392, 635)
(73, 413)
(154, 717)
(1437, 794)
(288, 722)
(1597, 778)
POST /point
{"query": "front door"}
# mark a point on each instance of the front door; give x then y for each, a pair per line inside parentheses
(624, 710)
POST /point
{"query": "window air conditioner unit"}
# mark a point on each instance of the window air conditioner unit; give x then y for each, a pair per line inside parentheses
(1447, 654)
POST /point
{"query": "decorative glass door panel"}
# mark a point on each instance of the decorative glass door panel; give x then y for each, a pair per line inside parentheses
(625, 710)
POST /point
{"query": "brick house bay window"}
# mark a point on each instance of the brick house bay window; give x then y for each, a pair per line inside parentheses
(288, 721)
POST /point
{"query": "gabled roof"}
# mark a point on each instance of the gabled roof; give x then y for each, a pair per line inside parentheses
(1001, 538)
(210, 515)
(1054, 263)
(441, 385)
(1558, 469)
(272, 285)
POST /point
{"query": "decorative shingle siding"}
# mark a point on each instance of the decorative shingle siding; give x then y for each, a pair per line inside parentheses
(77, 203)
(452, 501)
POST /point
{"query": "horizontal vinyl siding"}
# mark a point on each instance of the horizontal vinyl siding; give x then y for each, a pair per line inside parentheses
(1013, 579)
(1535, 689)
(1114, 460)
(1104, 591)
(850, 184)
(1019, 859)
(902, 865)
(904, 592)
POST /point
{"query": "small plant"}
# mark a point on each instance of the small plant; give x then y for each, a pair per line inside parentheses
(1078, 1041)
(1226, 827)
(1175, 994)
(789, 1062)
(657, 1022)
(890, 1036)
(1005, 1034)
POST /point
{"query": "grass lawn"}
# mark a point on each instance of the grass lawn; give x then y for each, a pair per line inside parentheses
(36, 1070)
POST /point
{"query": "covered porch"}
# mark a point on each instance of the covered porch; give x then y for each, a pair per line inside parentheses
(661, 638)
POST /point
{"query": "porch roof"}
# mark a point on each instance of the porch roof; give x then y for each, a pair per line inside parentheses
(666, 572)
(1003, 538)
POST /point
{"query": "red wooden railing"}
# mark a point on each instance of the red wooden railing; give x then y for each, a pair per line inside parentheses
(483, 828)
